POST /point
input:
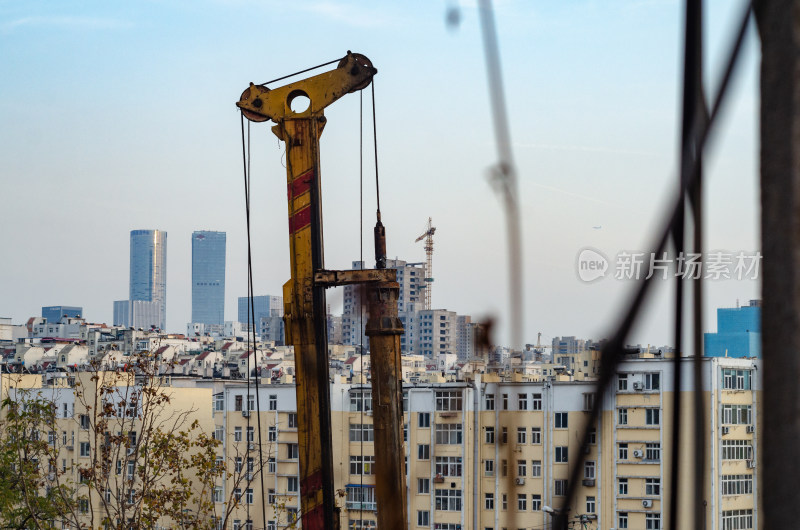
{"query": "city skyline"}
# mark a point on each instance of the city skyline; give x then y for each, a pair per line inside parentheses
(592, 91)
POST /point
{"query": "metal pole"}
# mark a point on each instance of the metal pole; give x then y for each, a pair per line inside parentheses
(779, 27)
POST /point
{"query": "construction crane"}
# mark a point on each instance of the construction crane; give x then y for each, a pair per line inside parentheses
(428, 280)
(305, 308)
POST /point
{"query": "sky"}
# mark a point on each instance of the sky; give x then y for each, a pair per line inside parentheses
(117, 116)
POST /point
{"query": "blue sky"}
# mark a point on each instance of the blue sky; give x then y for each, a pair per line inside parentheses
(120, 115)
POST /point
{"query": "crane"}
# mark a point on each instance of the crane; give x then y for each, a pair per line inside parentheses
(305, 311)
(428, 280)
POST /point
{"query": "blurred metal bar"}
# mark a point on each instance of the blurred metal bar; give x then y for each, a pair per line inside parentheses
(779, 26)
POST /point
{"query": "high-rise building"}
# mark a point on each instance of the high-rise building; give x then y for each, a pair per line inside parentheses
(149, 269)
(263, 306)
(208, 277)
(54, 313)
(137, 314)
(738, 332)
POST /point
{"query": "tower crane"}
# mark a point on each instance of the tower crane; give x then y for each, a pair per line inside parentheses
(428, 281)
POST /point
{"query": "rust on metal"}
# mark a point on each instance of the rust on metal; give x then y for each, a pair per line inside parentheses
(326, 278)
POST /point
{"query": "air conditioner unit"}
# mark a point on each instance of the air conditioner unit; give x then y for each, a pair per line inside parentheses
(751, 429)
(647, 503)
(588, 482)
(245, 413)
(751, 464)
(726, 430)
(637, 385)
(638, 453)
(249, 476)
(251, 447)
(131, 450)
(520, 481)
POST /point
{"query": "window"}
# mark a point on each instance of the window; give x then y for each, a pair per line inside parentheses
(237, 468)
(488, 468)
(736, 414)
(504, 504)
(219, 432)
(248, 496)
(250, 434)
(505, 468)
(622, 520)
(522, 401)
(623, 452)
(83, 505)
(590, 505)
(737, 484)
(361, 498)
(250, 465)
(84, 418)
(505, 401)
(652, 521)
(622, 416)
(361, 432)
(562, 456)
(219, 402)
(652, 381)
(448, 466)
(652, 417)
(537, 402)
(622, 486)
(237, 403)
(270, 496)
(271, 465)
(448, 500)
(522, 502)
(536, 435)
(360, 400)
(536, 502)
(362, 465)
(423, 452)
(237, 524)
(489, 402)
(423, 486)
(272, 434)
(735, 379)
(292, 420)
(588, 401)
(251, 402)
(521, 435)
(652, 486)
(423, 518)
(653, 452)
(273, 402)
(119, 467)
(237, 434)
(737, 450)
(622, 383)
(737, 519)
(293, 451)
(448, 400)
(85, 449)
(291, 485)
(536, 468)
(522, 468)
(562, 420)
(560, 487)
(504, 435)
(448, 433)
(424, 420)
(593, 436)
(489, 435)
(488, 501)
(588, 469)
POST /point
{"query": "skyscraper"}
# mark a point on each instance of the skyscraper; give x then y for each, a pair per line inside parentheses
(149, 268)
(208, 277)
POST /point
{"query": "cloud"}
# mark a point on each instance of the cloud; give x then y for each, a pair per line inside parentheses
(65, 22)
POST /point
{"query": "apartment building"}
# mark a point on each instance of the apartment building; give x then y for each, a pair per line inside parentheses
(492, 454)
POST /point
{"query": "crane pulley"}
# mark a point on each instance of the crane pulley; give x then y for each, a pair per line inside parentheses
(305, 312)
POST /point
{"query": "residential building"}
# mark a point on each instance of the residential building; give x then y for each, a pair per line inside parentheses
(54, 313)
(567, 345)
(208, 277)
(148, 280)
(738, 332)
